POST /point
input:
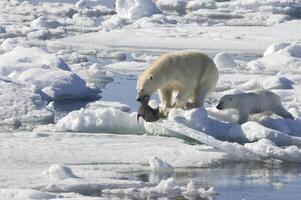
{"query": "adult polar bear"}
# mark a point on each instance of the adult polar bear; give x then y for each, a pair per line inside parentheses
(190, 73)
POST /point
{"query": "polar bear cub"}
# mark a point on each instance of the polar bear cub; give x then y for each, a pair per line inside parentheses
(190, 74)
(254, 102)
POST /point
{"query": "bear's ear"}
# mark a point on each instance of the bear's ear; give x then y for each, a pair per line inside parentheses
(151, 77)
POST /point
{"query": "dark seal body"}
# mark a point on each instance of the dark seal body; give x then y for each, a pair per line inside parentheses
(147, 113)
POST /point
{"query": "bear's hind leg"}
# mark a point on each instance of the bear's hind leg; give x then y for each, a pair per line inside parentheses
(182, 97)
(281, 111)
(200, 94)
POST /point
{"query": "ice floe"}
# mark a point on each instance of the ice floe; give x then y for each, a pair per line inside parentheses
(49, 74)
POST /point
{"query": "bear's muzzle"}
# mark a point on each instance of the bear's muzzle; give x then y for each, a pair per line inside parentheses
(144, 99)
(219, 106)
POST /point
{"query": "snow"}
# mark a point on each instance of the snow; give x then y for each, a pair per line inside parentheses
(59, 172)
(166, 188)
(286, 58)
(50, 75)
(158, 165)
(172, 5)
(262, 149)
(81, 4)
(107, 120)
(224, 60)
(254, 131)
(135, 9)
(193, 191)
(273, 48)
(234, 40)
(21, 106)
(17, 194)
(108, 104)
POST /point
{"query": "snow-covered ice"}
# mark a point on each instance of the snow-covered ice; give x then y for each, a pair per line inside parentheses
(72, 52)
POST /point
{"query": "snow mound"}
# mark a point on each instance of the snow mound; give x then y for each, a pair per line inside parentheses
(135, 9)
(255, 131)
(81, 4)
(225, 60)
(9, 43)
(59, 172)
(49, 74)
(198, 119)
(277, 82)
(43, 22)
(102, 120)
(273, 48)
(19, 194)
(178, 6)
(158, 165)
(193, 191)
(269, 83)
(84, 21)
(200, 4)
(286, 59)
(167, 187)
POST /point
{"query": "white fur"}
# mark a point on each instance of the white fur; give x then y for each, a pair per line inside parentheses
(255, 102)
(189, 73)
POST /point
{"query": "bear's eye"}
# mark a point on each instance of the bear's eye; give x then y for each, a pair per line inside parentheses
(222, 103)
(230, 98)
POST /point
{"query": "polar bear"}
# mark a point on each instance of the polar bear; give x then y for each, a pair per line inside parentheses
(189, 74)
(254, 102)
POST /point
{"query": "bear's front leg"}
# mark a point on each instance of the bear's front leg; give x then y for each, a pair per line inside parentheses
(165, 95)
(243, 116)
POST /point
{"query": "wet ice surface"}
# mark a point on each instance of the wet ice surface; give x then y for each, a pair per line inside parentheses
(68, 75)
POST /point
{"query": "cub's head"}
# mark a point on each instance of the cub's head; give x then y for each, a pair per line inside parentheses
(226, 102)
(146, 85)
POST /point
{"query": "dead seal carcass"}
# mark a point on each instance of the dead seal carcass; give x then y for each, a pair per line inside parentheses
(146, 112)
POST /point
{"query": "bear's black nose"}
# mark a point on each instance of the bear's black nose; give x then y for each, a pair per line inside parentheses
(138, 98)
(219, 107)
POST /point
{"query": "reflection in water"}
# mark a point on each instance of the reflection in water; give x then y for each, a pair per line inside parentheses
(239, 180)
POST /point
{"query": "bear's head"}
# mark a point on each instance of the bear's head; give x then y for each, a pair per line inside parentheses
(146, 86)
(226, 102)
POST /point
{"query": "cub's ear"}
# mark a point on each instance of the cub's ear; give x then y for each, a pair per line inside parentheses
(151, 77)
